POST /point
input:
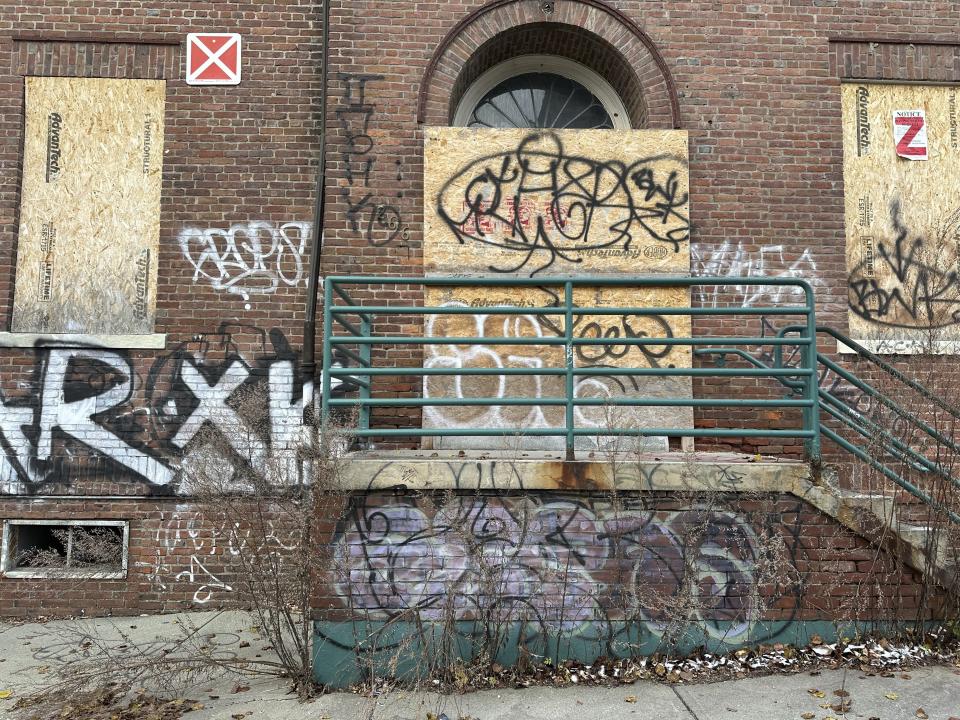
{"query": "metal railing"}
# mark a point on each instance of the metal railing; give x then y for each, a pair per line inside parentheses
(883, 445)
(350, 336)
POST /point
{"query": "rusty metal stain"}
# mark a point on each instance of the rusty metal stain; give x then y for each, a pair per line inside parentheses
(576, 475)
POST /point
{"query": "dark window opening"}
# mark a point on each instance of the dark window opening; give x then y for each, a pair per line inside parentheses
(72, 549)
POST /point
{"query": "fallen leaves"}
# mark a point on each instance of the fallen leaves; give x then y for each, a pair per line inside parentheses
(808, 715)
(112, 703)
(892, 696)
(921, 713)
(630, 698)
(870, 657)
(4, 694)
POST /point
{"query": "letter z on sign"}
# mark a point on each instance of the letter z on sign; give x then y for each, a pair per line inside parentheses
(213, 59)
(910, 134)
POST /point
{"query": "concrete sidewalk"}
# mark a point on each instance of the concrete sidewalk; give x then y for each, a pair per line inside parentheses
(30, 654)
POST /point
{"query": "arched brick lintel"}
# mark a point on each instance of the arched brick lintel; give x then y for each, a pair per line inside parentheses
(497, 16)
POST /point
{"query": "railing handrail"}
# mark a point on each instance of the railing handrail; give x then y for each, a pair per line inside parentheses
(801, 379)
(873, 392)
(359, 335)
(589, 280)
(867, 354)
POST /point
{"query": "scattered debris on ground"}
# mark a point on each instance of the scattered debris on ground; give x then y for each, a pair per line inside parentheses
(110, 703)
(870, 656)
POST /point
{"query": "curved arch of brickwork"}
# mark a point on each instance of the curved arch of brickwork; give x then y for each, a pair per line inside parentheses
(444, 79)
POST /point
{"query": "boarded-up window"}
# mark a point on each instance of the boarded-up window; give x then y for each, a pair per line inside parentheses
(90, 208)
(901, 171)
(519, 202)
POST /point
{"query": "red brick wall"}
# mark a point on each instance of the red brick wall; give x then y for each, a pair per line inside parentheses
(388, 550)
(758, 87)
(589, 558)
(181, 555)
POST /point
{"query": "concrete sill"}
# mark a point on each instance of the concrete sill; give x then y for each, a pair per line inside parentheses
(153, 341)
(66, 573)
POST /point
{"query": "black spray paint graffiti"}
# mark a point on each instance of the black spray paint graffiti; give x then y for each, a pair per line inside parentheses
(597, 385)
(379, 223)
(619, 326)
(84, 399)
(547, 205)
(906, 283)
(586, 567)
(79, 401)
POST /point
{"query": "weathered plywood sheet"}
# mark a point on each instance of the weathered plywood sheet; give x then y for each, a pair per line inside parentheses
(90, 210)
(532, 325)
(556, 202)
(902, 218)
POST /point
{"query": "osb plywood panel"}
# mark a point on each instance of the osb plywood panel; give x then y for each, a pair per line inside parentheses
(90, 212)
(541, 356)
(902, 217)
(556, 202)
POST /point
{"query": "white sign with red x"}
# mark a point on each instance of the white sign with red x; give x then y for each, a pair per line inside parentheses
(213, 59)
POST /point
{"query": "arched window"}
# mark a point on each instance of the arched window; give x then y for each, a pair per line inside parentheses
(541, 91)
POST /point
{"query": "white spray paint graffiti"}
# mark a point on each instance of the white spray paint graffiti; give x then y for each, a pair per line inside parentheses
(458, 356)
(190, 549)
(182, 530)
(732, 260)
(600, 387)
(87, 413)
(252, 258)
(62, 408)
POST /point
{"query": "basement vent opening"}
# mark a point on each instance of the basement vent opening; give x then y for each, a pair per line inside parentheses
(95, 549)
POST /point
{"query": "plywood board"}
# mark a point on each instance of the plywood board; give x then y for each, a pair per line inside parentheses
(535, 325)
(902, 217)
(90, 208)
(523, 202)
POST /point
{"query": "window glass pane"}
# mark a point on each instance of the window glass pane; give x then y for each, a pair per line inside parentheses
(540, 100)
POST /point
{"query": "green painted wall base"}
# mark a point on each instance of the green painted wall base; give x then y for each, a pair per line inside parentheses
(347, 652)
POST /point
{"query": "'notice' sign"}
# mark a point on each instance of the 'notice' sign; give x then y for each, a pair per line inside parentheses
(910, 134)
(213, 59)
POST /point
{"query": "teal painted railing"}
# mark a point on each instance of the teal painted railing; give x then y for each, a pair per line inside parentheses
(885, 452)
(350, 335)
(884, 446)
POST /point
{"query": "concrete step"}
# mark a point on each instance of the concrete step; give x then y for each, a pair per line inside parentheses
(874, 517)
(882, 507)
(919, 536)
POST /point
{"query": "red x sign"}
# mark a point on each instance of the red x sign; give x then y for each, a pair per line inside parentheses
(213, 59)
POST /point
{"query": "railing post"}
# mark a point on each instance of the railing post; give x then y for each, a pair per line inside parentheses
(326, 355)
(811, 415)
(365, 354)
(568, 364)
